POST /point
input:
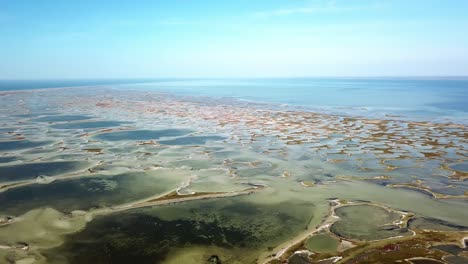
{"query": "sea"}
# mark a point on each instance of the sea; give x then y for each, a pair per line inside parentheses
(434, 99)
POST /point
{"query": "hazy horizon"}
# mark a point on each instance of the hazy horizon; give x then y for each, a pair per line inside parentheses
(415, 77)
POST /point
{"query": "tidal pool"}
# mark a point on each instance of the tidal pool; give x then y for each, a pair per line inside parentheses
(62, 118)
(195, 140)
(401, 162)
(450, 248)
(7, 159)
(89, 124)
(21, 144)
(30, 171)
(456, 259)
(460, 167)
(322, 243)
(90, 192)
(142, 134)
(235, 229)
(367, 222)
(435, 224)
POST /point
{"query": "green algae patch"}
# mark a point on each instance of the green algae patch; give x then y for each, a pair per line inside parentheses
(85, 193)
(322, 243)
(367, 222)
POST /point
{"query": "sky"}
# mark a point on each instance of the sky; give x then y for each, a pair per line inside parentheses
(244, 38)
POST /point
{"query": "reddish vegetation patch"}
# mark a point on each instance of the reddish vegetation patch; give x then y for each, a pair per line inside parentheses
(390, 247)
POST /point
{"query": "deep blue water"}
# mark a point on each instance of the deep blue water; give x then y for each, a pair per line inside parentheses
(443, 99)
(39, 84)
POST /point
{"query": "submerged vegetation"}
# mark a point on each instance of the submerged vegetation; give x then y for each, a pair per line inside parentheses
(154, 178)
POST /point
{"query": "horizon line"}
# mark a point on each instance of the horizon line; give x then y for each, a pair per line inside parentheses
(236, 77)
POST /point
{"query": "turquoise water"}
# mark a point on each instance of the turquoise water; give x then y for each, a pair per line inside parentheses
(435, 99)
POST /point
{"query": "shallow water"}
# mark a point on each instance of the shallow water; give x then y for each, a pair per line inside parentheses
(456, 259)
(423, 223)
(322, 243)
(89, 124)
(21, 144)
(142, 134)
(29, 171)
(452, 249)
(62, 118)
(418, 98)
(7, 159)
(218, 227)
(364, 222)
(428, 98)
(460, 167)
(89, 192)
(83, 182)
(195, 140)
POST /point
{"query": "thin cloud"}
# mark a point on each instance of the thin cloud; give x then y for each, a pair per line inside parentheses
(322, 7)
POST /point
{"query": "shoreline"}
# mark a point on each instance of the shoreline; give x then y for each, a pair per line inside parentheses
(290, 247)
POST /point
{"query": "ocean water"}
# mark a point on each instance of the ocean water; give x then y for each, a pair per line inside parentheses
(430, 99)
(6, 85)
(427, 99)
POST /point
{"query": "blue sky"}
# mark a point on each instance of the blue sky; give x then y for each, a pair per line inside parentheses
(174, 38)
